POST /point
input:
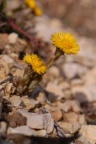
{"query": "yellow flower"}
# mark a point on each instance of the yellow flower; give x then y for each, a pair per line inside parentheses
(30, 3)
(37, 65)
(37, 11)
(65, 42)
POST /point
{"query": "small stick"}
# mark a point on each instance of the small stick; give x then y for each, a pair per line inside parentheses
(6, 80)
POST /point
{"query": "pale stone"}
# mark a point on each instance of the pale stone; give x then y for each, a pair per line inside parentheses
(15, 100)
(25, 130)
(41, 98)
(69, 127)
(64, 85)
(55, 89)
(72, 69)
(38, 121)
(48, 123)
(76, 82)
(71, 104)
(57, 115)
(54, 71)
(84, 93)
(41, 133)
(35, 122)
(29, 103)
(89, 133)
(12, 38)
(70, 117)
(3, 126)
(7, 59)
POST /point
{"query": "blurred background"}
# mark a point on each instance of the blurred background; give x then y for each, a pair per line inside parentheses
(78, 14)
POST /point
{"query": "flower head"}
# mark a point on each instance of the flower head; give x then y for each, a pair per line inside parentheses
(34, 61)
(65, 42)
(30, 3)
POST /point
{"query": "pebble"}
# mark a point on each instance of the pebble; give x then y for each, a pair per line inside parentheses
(3, 126)
(15, 100)
(76, 70)
(84, 93)
(55, 89)
(38, 121)
(70, 104)
(12, 38)
(89, 133)
(57, 115)
(29, 103)
(69, 127)
(25, 130)
(54, 71)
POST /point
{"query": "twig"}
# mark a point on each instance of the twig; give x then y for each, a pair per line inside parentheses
(6, 80)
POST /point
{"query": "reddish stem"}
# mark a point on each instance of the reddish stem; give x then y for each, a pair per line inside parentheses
(15, 27)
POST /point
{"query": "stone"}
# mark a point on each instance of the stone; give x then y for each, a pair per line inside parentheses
(69, 127)
(29, 103)
(15, 100)
(7, 59)
(77, 82)
(38, 121)
(12, 38)
(76, 70)
(57, 115)
(41, 98)
(84, 93)
(64, 85)
(48, 123)
(70, 117)
(24, 130)
(54, 71)
(71, 104)
(89, 133)
(35, 121)
(3, 126)
(55, 89)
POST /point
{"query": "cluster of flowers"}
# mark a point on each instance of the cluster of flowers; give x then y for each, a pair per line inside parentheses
(32, 5)
(65, 44)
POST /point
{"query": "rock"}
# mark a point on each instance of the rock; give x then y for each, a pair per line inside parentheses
(41, 133)
(29, 103)
(77, 82)
(76, 70)
(16, 119)
(3, 126)
(57, 115)
(24, 130)
(89, 133)
(64, 85)
(7, 59)
(69, 127)
(48, 123)
(15, 100)
(70, 117)
(39, 121)
(84, 93)
(12, 38)
(35, 121)
(41, 98)
(81, 119)
(54, 71)
(55, 89)
(18, 72)
(82, 140)
(90, 77)
(70, 104)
